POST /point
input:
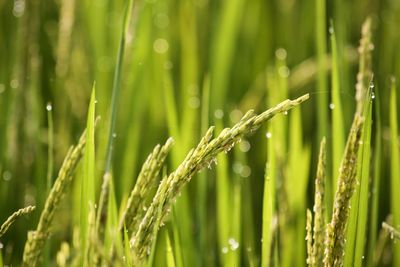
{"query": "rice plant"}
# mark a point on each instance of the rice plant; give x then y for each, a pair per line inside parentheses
(199, 133)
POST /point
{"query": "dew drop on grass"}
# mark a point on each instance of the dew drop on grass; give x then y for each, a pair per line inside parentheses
(7, 176)
(285, 112)
(49, 107)
(237, 167)
(224, 250)
(234, 245)
(114, 135)
(218, 114)
(235, 115)
(281, 53)
(268, 135)
(14, 83)
(284, 71)
(331, 30)
(332, 106)
(373, 95)
(244, 146)
(160, 46)
(246, 171)
(19, 8)
(1, 245)
(194, 102)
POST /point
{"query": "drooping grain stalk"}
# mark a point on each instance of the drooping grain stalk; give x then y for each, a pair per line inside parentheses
(319, 208)
(35, 243)
(203, 155)
(135, 207)
(336, 229)
(10, 220)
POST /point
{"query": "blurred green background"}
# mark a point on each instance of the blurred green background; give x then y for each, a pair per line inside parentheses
(245, 54)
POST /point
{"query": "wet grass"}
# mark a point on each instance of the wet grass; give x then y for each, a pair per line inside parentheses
(168, 70)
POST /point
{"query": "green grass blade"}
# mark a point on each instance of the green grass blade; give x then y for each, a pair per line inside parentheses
(112, 237)
(269, 197)
(88, 181)
(168, 251)
(117, 86)
(223, 49)
(50, 137)
(114, 108)
(223, 197)
(376, 184)
(127, 252)
(394, 169)
(202, 181)
(338, 139)
(363, 207)
(322, 78)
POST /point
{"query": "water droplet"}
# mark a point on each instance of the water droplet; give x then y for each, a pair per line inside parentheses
(268, 135)
(194, 102)
(49, 107)
(219, 114)
(235, 115)
(237, 167)
(7, 176)
(114, 135)
(284, 71)
(371, 47)
(281, 53)
(19, 8)
(244, 146)
(372, 95)
(224, 250)
(285, 112)
(331, 30)
(246, 171)
(160, 46)
(14, 83)
(234, 245)
(332, 106)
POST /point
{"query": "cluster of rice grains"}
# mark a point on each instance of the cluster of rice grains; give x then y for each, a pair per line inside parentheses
(143, 223)
(329, 250)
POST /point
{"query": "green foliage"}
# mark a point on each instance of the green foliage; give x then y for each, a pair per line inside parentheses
(171, 69)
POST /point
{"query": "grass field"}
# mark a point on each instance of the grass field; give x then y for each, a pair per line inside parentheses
(199, 133)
